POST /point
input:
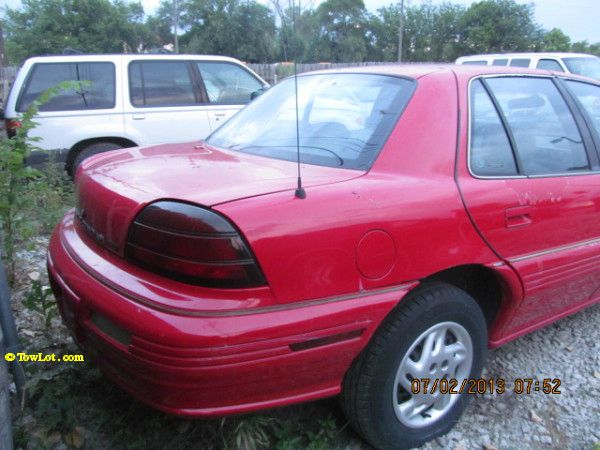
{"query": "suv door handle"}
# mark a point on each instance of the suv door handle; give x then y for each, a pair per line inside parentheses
(138, 116)
(519, 216)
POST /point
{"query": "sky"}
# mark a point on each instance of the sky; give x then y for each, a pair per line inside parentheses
(577, 18)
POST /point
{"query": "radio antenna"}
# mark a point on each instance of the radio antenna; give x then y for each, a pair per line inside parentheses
(300, 192)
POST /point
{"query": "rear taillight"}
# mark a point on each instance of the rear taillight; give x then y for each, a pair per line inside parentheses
(192, 244)
(11, 125)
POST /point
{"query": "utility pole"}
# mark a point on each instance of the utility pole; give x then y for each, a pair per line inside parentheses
(400, 30)
(3, 59)
(176, 24)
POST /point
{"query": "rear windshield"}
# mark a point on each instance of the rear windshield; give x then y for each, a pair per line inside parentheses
(343, 120)
(98, 92)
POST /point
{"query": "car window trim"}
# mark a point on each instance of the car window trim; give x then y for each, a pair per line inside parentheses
(595, 134)
(469, 131)
(32, 69)
(162, 105)
(584, 131)
(241, 66)
(511, 138)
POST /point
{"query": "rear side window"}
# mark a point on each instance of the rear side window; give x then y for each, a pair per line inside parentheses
(475, 63)
(97, 93)
(500, 62)
(491, 153)
(161, 83)
(549, 64)
(589, 97)
(545, 134)
(228, 84)
(520, 62)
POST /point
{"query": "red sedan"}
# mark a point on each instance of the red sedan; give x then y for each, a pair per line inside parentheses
(443, 210)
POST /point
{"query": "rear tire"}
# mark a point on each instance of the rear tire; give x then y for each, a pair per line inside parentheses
(90, 150)
(439, 331)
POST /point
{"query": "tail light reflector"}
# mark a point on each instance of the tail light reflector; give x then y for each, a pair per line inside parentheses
(192, 244)
(10, 125)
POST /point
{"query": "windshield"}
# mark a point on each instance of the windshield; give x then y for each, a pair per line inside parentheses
(588, 67)
(343, 119)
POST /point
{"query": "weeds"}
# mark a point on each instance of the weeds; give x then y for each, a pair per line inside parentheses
(40, 299)
(26, 194)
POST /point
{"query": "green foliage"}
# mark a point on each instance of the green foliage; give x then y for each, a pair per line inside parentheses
(333, 31)
(290, 436)
(22, 188)
(40, 299)
(41, 27)
(556, 41)
(251, 433)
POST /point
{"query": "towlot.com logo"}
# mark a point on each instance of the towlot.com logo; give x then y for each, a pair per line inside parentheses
(41, 357)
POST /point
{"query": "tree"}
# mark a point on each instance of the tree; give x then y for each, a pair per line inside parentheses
(41, 27)
(491, 26)
(341, 32)
(242, 29)
(555, 41)
(431, 32)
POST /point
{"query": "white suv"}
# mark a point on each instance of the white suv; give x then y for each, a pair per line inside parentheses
(577, 63)
(130, 100)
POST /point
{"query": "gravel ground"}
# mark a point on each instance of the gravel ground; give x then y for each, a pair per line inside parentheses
(568, 350)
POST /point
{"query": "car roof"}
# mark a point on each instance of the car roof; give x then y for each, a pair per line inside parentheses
(126, 57)
(417, 71)
(528, 55)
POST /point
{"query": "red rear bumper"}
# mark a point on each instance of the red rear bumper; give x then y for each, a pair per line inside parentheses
(229, 361)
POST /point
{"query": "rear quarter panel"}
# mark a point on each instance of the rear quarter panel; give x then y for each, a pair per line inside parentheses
(307, 248)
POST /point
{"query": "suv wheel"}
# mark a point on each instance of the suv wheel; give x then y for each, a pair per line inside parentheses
(90, 150)
(438, 332)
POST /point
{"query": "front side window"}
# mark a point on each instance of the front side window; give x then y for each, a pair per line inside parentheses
(228, 84)
(588, 67)
(96, 91)
(545, 133)
(549, 64)
(491, 153)
(589, 97)
(343, 119)
(161, 83)
(520, 62)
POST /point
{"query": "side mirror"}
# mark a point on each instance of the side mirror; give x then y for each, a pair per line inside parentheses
(258, 92)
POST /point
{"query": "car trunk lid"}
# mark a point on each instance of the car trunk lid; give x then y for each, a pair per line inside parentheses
(113, 187)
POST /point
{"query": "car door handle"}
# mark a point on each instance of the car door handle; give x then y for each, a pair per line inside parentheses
(519, 216)
(138, 116)
(220, 114)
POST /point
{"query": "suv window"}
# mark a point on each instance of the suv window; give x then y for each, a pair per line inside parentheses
(161, 83)
(500, 62)
(491, 153)
(549, 64)
(228, 84)
(520, 62)
(98, 94)
(589, 97)
(545, 133)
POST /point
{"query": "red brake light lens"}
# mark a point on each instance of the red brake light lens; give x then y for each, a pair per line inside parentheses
(10, 125)
(193, 245)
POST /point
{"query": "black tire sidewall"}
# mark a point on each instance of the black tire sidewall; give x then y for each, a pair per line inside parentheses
(91, 150)
(449, 305)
